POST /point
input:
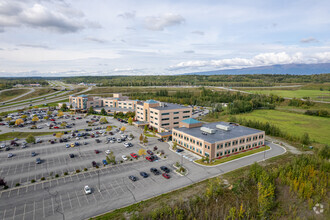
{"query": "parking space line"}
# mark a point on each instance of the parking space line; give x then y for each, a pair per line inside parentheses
(43, 210)
(69, 200)
(86, 198)
(61, 203)
(78, 198)
(24, 211)
(4, 214)
(14, 213)
(34, 209)
(53, 205)
(95, 197)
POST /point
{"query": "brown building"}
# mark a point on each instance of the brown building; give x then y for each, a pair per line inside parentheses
(216, 139)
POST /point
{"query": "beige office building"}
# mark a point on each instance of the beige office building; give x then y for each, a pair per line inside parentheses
(216, 139)
(161, 116)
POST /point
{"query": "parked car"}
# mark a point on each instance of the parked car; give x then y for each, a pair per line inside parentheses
(154, 171)
(165, 169)
(33, 154)
(134, 155)
(87, 190)
(150, 152)
(144, 174)
(165, 175)
(38, 161)
(124, 157)
(94, 164)
(179, 150)
(133, 178)
(107, 151)
(71, 155)
(97, 151)
(160, 140)
(10, 155)
(104, 162)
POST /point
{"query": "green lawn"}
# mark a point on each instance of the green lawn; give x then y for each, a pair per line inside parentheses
(233, 157)
(10, 94)
(12, 135)
(318, 128)
(299, 93)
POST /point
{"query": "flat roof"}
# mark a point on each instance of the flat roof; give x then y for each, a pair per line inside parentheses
(169, 106)
(191, 121)
(115, 109)
(219, 135)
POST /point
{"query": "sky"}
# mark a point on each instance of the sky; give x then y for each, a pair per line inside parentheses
(158, 37)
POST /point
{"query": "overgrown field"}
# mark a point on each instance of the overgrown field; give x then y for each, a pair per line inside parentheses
(318, 128)
(10, 94)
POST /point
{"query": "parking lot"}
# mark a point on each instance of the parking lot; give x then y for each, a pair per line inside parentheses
(54, 197)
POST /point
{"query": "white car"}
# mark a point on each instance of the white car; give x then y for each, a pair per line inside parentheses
(10, 155)
(2, 146)
(87, 190)
(112, 141)
(124, 157)
(129, 138)
(107, 151)
(126, 144)
(118, 140)
(77, 138)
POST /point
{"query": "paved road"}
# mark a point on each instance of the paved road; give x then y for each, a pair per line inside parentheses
(64, 196)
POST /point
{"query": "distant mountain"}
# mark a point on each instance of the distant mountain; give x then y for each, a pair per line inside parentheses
(293, 69)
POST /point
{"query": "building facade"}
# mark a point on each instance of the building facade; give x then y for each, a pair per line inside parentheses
(161, 116)
(215, 140)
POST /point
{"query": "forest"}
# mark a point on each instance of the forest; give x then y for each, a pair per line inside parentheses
(8, 83)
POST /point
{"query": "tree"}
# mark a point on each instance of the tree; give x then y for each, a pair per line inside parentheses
(130, 121)
(111, 157)
(19, 121)
(35, 119)
(24, 116)
(63, 124)
(91, 110)
(8, 119)
(145, 140)
(305, 139)
(46, 117)
(30, 139)
(174, 147)
(141, 138)
(109, 128)
(123, 129)
(59, 135)
(60, 114)
(49, 113)
(103, 112)
(324, 152)
(71, 107)
(142, 152)
(131, 135)
(103, 120)
(145, 128)
(64, 107)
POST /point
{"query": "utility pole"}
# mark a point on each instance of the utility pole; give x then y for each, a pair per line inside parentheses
(98, 176)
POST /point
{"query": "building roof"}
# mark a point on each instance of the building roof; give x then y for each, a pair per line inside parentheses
(169, 106)
(112, 109)
(191, 121)
(151, 101)
(84, 96)
(219, 135)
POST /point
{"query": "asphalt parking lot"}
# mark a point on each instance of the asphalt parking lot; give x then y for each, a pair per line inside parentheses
(64, 196)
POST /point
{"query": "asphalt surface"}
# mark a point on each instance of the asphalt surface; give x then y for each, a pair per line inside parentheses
(64, 196)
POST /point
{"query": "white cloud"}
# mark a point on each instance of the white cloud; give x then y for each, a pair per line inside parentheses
(160, 22)
(309, 40)
(198, 32)
(264, 59)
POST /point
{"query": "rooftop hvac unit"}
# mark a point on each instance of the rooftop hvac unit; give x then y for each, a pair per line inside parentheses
(223, 127)
(208, 130)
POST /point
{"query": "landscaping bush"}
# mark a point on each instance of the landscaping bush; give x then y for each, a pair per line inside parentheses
(85, 169)
(121, 161)
(5, 187)
(17, 184)
(78, 171)
(42, 178)
(96, 167)
(65, 173)
(130, 159)
(56, 176)
(33, 181)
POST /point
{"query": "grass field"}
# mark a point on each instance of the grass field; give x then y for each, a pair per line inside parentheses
(233, 157)
(318, 128)
(12, 135)
(299, 93)
(7, 95)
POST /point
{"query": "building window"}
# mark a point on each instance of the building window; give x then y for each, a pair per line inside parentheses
(186, 111)
(175, 113)
(186, 116)
(176, 123)
(176, 118)
(165, 113)
(165, 124)
(165, 119)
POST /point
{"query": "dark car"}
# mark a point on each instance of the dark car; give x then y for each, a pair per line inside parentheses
(155, 148)
(94, 164)
(150, 152)
(154, 171)
(38, 161)
(160, 140)
(71, 155)
(144, 174)
(33, 154)
(179, 150)
(97, 151)
(165, 169)
(133, 178)
(7, 148)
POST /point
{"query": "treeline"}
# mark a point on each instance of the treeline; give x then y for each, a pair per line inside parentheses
(238, 102)
(298, 102)
(271, 129)
(321, 113)
(200, 80)
(256, 194)
(8, 83)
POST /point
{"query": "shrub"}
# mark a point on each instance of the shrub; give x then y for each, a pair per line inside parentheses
(33, 181)
(85, 169)
(78, 171)
(96, 167)
(121, 161)
(65, 173)
(5, 187)
(42, 178)
(130, 159)
(56, 176)
(177, 164)
(164, 156)
(17, 184)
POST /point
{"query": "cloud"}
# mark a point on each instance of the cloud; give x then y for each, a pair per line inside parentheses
(127, 15)
(34, 46)
(198, 32)
(189, 51)
(309, 40)
(56, 18)
(97, 40)
(160, 22)
(263, 59)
